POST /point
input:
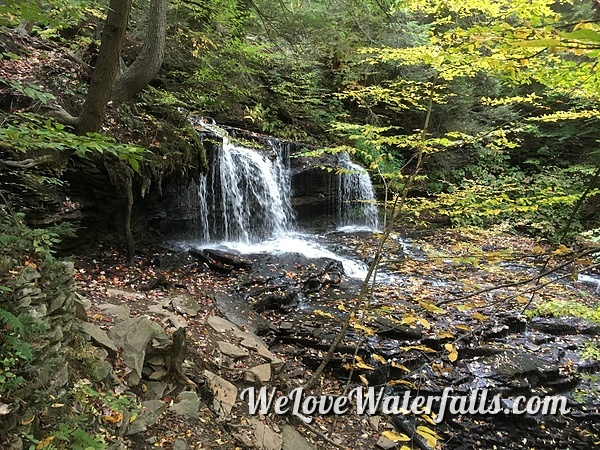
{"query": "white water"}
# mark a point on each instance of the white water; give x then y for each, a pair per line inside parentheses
(303, 244)
(244, 204)
(357, 200)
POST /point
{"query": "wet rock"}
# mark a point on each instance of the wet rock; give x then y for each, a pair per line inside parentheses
(133, 336)
(237, 311)
(224, 393)
(233, 351)
(151, 412)
(565, 326)
(393, 329)
(98, 335)
(276, 301)
(188, 404)
(293, 440)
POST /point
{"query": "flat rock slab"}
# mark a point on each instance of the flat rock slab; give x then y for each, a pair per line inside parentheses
(188, 404)
(133, 336)
(385, 443)
(186, 304)
(239, 313)
(151, 412)
(221, 325)
(224, 393)
(121, 312)
(248, 340)
(176, 321)
(266, 437)
(98, 335)
(260, 373)
(231, 350)
(115, 292)
(293, 440)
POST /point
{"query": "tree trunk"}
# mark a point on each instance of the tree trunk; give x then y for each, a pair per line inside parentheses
(25, 27)
(130, 243)
(147, 64)
(92, 114)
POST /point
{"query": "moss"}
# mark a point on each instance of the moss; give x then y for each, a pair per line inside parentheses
(176, 149)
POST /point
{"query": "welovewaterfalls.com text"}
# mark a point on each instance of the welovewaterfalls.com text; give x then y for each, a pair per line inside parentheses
(372, 401)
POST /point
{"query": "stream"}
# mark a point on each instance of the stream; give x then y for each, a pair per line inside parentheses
(303, 280)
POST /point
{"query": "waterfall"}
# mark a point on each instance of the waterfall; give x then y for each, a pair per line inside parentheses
(246, 196)
(357, 204)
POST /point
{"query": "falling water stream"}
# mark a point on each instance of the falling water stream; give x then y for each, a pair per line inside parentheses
(244, 203)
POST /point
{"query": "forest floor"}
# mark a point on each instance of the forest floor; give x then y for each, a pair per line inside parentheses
(437, 287)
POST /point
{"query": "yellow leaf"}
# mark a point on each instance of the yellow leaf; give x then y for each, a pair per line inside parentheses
(379, 359)
(408, 320)
(423, 348)
(445, 334)
(432, 308)
(479, 316)
(366, 330)
(361, 364)
(561, 249)
(428, 419)
(424, 323)
(396, 382)
(462, 326)
(430, 436)
(465, 306)
(322, 313)
(400, 366)
(537, 250)
(395, 436)
(45, 442)
(364, 380)
(452, 352)
(114, 417)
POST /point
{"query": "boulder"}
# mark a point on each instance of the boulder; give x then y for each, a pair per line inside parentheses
(133, 336)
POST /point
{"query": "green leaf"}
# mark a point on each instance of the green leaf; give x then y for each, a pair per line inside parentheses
(539, 43)
(583, 35)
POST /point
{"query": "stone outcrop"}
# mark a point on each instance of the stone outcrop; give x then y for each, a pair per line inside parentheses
(45, 298)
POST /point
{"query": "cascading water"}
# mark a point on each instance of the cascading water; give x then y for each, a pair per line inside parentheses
(356, 197)
(246, 196)
(244, 202)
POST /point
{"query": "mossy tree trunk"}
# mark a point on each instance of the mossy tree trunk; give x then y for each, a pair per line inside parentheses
(147, 64)
(107, 69)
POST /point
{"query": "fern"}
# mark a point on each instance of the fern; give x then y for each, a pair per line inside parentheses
(20, 348)
(11, 321)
